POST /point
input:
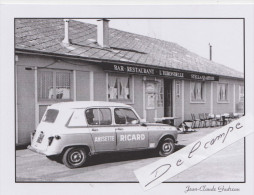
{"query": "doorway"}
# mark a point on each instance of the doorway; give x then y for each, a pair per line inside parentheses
(168, 103)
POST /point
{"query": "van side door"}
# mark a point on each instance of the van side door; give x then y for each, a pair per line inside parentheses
(130, 134)
(99, 122)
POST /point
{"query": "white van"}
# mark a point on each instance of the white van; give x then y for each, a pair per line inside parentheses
(75, 130)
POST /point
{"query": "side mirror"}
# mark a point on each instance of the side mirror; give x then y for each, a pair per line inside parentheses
(134, 122)
(143, 120)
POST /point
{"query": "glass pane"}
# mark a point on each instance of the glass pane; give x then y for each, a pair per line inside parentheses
(226, 92)
(45, 85)
(160, 100)
(223, 92)
(77, 119)
(119, 117)
(242, 89)
(92, 116)
(160, 95)
(112, 87)
(241, 93)
(62, 85)
(130, 116)
(105, 116)
(50, 116)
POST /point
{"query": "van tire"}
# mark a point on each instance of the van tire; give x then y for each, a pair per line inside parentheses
(166, 147)
(74, 157)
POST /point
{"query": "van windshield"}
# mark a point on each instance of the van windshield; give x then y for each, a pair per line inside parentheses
(50, 116)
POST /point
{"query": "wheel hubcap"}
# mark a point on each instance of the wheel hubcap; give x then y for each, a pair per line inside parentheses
(166, 147)
(76, 157)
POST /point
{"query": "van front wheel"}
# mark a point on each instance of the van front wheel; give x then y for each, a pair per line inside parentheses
(166, 147)
(74, 157)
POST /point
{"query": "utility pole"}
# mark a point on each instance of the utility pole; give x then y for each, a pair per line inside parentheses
(210, 51)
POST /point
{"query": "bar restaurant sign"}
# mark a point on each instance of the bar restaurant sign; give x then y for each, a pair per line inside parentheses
(158, 72)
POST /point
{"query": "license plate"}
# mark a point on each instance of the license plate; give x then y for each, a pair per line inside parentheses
(40, 138)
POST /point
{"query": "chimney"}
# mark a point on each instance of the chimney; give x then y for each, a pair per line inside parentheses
(103, 32)
(66, 41)
(210, 51)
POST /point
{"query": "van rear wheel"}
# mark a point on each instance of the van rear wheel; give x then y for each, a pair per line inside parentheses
(74, 157)
(166, 147)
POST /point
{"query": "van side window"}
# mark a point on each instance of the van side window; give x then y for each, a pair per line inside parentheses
(125, 116)
(77, 119)
(98, 116)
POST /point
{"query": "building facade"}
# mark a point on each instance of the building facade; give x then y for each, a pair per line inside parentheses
(45, 77)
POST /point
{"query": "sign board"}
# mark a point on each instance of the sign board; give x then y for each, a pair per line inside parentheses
(143, 70)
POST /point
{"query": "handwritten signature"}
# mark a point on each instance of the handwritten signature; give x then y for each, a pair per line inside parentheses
(155, 174)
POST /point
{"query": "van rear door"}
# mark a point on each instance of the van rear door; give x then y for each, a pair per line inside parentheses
(43, 133)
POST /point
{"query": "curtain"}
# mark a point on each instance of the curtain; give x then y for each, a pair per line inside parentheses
(192, 86)
(62, 85)
(123, 87)
(197, 90)
(119, 87)
(222, 92)
(112, 88)
(46, 85)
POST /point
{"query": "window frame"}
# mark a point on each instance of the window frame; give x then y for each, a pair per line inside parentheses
(227, 89)
(126, 101)
(54, 72)
(204, 93)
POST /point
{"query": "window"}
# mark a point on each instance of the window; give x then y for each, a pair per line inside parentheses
(50, 116)
(197, 91)
(160, 94)
(241, 93)
(54, 85)
(98, 116)
(77, 119)
(222, 92)
(125, 116)
(119, 87)
(154, 93)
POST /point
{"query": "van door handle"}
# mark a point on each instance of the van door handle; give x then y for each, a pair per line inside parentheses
(94, 129)
(119, 128)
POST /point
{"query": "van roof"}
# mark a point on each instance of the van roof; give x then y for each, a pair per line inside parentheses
(85, 104)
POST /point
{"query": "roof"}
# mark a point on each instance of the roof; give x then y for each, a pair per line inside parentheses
(85, 104)
(46, 35)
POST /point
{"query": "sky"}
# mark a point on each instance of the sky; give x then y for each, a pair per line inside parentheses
(225, 35)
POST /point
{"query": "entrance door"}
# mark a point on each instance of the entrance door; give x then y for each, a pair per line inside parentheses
(168, 103)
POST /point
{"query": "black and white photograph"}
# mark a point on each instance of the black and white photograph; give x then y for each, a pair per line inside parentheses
(99, 98)
(93, 99)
